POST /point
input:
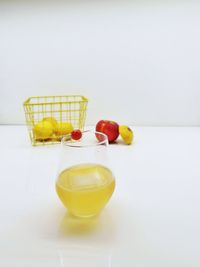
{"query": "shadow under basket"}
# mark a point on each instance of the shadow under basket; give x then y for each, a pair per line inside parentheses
(63, 109)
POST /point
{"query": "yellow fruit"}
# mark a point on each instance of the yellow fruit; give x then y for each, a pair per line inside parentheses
(52, 120)
(126, 133)
(43, 130)
(63, 128)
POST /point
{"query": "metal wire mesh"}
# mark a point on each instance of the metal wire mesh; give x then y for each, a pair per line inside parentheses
(71, 109)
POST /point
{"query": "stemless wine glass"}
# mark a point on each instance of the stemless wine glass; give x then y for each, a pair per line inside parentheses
(85, 183)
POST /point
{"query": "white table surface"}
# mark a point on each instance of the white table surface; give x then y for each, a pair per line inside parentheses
(152, 220)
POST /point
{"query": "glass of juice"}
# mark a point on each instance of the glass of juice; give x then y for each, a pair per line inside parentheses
(85, 182)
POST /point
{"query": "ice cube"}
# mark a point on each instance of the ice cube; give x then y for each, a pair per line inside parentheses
(85, 177)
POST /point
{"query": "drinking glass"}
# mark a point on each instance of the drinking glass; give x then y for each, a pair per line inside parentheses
(85, 182)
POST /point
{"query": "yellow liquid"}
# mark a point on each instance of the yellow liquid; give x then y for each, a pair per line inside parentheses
(85, 189)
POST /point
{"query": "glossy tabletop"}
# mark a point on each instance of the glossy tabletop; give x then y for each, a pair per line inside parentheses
(152, 220)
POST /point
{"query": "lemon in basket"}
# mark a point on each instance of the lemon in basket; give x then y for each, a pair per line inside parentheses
(43, 130)
(53, 121)
(63, 128)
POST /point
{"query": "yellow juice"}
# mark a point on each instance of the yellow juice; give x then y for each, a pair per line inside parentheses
(85, 189)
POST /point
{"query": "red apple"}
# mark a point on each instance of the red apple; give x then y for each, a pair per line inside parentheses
(109, 128)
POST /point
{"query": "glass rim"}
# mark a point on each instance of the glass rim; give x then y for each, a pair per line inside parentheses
(67, 141)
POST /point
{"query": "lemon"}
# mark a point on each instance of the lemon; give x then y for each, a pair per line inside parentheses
(43, 130)
(53, 121)
(63, 128)
(126, 133)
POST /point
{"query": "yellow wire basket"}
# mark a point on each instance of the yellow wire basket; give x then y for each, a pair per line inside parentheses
(62, 110)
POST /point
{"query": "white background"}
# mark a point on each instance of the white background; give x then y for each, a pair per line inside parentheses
(138, 63)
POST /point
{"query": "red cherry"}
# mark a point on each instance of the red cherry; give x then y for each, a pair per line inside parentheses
(76, 134)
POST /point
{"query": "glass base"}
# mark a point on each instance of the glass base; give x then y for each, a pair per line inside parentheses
(81, 216)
